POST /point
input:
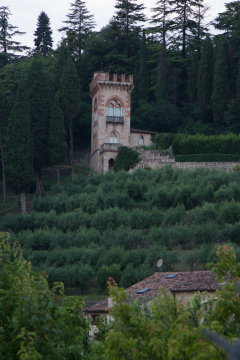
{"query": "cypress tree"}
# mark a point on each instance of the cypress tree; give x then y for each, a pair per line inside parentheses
(144, 80)
(70, 97)
(205, 81)
(19, 146)
(192, 78)
(57, 143)
(220, 95)
(43, 40)
(40, 107)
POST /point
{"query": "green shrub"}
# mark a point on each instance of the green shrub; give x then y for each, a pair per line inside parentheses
(163, 140)
(184, 144)
(108, 271)
(231, 232)
(38, 258)
(228, 192)
(155, 236)
(128, 276)
(159, 196)
(207, 158)
(175, 215)
(114, 255)
(230, 212)
(108, 219)
(205, 233)
(203, 214)
(81, 276)
(126, 158)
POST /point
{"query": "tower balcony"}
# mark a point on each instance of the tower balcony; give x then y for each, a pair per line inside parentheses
(109, 147)
(115, 119)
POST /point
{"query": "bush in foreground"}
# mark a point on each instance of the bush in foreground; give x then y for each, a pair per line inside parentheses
(33, 322)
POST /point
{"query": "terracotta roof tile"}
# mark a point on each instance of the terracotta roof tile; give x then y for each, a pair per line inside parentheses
(182, 282)
(138, 131)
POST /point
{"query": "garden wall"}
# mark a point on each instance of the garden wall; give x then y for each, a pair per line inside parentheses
(159, 159)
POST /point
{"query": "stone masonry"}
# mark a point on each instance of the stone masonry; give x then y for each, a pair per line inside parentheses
(111, 111)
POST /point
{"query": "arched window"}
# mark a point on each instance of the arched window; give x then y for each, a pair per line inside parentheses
(114, 108)
(140, 141)
(113, 138)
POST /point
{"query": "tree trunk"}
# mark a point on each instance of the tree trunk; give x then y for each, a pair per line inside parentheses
(3, 172)
(23, 203)
(39, 185)
(71, 146)
(58, 174)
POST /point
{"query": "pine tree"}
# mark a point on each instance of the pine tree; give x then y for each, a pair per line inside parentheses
(43, 40)
(40, 105)
(205, 81)
(70, 97)
(8, 46)
(78, 28)
(220, 96)
(128, 15)
(19, 146)
(57, 143)
(160, 20)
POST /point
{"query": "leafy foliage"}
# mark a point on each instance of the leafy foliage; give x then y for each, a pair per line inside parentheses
(34, 324)
(126, 158)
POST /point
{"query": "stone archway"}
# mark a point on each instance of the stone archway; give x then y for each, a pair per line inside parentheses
(111, 164)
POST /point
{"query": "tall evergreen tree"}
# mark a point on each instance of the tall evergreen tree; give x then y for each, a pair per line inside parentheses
(192, 78)
(128, 15)
(229, 20)
(144, 80)
(19, 146)
(220, 95)
(161, 21)
(205, 82)
(78, 27)
(40, 106)
(43, 40)
(57, 143)
(8, 46)
(70, 97)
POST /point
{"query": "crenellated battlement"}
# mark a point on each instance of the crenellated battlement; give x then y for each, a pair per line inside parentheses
(104, 78)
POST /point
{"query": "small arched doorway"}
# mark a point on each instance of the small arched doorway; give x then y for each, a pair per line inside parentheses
(111, 164)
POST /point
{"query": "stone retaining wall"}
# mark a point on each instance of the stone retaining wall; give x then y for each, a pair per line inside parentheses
(160, 159)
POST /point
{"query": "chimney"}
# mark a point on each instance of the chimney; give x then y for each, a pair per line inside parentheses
(110, 302)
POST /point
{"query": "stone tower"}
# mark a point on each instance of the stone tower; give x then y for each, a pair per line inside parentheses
(111, 107)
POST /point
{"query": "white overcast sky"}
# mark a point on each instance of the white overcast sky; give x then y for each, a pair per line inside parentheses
(25, 14)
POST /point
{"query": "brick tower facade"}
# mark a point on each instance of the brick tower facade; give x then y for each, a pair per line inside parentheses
(111, 107)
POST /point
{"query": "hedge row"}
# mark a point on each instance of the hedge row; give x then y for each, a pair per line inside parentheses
(184, 144)
(207, 158)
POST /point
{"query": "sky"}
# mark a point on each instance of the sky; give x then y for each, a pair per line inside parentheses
(25, 14)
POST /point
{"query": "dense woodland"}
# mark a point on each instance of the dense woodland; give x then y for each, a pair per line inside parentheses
(186, 79)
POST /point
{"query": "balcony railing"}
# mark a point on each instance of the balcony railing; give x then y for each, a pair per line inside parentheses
(115, 119)
(109, 147)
